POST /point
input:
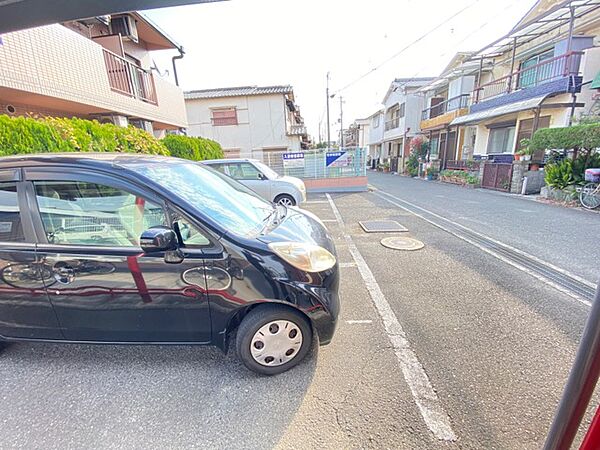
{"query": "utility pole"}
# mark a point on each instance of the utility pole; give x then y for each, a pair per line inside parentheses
(341, 123)
(328, 122)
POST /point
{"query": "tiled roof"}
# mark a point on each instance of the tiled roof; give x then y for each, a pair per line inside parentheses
(237, 91)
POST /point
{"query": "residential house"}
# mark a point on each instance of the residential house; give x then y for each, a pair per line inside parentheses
(97, 68)
(357, 134)
(248, 121)
(446, 98)
(402, 112)
(375, 140)
(538, 78)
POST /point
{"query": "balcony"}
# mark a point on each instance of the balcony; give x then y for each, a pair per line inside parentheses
(452, 104)
(551, 76)
(391, 124)
(128, 79)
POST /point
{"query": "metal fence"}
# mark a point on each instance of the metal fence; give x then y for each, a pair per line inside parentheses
(316, 164)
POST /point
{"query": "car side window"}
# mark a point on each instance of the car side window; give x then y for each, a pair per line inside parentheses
(11, 228)
(82, 213)
(243, 171)
(220, 167)
(190, 234)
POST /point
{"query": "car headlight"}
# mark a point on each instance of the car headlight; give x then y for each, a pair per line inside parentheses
(306, 257)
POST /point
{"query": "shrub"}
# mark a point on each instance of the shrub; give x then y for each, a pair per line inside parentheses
(21, 135)
(559, 175)
(194, 148)
(584, 136)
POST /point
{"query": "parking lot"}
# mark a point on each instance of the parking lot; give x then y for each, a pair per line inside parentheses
(441, 347)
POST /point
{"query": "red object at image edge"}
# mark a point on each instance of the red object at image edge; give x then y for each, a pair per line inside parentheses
(592, 438)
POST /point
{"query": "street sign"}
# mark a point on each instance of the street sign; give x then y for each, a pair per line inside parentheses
(337, 159)
(293, 160)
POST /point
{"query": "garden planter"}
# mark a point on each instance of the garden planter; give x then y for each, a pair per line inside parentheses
(517, 157)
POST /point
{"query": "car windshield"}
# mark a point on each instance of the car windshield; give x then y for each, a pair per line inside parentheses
(228, 203)
(266, 170)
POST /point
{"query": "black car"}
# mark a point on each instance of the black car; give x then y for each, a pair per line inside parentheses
(112, 248)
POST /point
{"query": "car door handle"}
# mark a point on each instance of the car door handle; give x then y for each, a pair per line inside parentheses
(64, 274)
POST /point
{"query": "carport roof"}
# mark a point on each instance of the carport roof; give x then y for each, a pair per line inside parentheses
(21, 14)
(499, 111)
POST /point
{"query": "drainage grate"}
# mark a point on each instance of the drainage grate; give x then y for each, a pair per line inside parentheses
(381, 226)
(402, 243)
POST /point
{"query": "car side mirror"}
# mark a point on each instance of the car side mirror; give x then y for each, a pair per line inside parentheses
(261, 176)
(158, 239)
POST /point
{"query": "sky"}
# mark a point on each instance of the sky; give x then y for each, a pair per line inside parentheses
(280, 42)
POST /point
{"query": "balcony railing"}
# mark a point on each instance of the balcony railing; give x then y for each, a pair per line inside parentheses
(393, 123)
(552, 69)
(452, 104)
(297, 130)
(128, 79)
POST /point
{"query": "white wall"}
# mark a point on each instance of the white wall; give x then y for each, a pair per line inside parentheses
(262, 123)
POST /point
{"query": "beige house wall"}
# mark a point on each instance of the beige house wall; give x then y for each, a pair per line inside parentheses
(58, 63)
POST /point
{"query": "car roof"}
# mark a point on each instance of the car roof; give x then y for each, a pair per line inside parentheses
(90, 159)
(229, 160)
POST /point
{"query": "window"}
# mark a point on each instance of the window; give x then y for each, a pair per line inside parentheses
(376, 121)
(190, 234)
(531, 73)
(526, 129)
(81, 213)
(224, 116)
(228, 203)
(11, 228)
(501, 140)
(434, 147)
(243, 171)
(402, 110)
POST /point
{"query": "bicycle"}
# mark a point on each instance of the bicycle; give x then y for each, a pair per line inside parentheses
(589, 194)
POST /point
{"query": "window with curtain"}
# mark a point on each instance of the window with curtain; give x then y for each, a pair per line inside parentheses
(501, 140)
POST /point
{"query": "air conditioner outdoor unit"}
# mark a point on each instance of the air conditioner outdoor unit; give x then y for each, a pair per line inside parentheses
(104, 20)
(125, 26)
(115, 119)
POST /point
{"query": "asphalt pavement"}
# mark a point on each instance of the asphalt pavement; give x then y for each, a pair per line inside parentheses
(445, 335)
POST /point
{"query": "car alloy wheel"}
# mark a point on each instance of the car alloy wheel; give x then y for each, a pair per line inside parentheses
(286, 200)
(276, 343)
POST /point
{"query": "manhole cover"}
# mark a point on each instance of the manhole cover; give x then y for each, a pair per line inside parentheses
(402, 243)
(381, 226)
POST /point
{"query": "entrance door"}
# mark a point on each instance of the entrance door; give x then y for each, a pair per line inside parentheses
(103, 288)
(25, 311)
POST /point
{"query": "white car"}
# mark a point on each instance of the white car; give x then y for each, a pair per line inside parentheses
(287, 191)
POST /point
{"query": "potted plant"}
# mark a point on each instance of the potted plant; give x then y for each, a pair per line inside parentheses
(525, 151)
(386, 167)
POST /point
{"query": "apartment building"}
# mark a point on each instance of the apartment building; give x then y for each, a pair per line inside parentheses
(98, 68)
(248, 121)
(402, 115)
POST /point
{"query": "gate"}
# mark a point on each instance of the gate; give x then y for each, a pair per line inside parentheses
(394, 164)
(497, 176)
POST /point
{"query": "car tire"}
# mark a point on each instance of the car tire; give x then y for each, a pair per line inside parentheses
(285, 200)
(272, 339)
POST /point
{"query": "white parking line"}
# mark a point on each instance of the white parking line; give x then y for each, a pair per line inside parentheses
(347, 264)
(491, 252)
(353, 322)
(424, 395)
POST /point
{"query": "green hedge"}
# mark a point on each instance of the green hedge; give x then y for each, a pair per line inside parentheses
(585, 136)
(194, 148)
(20, 135)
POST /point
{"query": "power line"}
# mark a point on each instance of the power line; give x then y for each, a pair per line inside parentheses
(416, 41)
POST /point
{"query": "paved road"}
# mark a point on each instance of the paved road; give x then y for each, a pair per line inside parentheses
(493, 344)
(566, 237)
